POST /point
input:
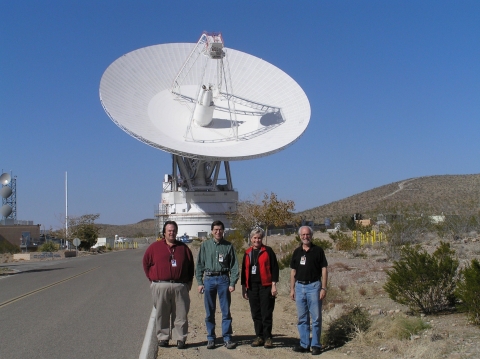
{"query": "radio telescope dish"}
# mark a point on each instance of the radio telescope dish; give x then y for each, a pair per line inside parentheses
(5, 192)
(205, 104)
(256, 108)
(5, 179)
(6, 210)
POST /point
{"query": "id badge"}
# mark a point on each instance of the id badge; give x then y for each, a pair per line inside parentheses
(220, 258)
(174, 263)
(303, 260)
(254, 269)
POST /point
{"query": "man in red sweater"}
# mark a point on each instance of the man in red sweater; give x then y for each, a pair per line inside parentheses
(168, 264)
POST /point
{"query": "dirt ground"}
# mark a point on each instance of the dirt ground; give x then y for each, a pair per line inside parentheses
(353, 280)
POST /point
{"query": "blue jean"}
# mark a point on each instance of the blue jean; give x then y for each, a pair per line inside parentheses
(309, 306)
(218, 286)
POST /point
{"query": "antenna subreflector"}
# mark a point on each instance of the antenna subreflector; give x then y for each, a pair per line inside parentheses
(204, 103)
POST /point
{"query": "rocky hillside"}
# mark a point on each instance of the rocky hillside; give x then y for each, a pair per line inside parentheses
(450, 194)
(145, 228)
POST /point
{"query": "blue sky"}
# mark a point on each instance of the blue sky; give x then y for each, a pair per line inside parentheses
(394, 88)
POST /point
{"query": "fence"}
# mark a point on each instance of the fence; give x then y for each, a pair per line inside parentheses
(371, 237)
(126, 245)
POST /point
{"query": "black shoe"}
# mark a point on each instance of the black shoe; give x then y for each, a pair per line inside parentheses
(268, 343)
(258, 342)
(163, 343)
(181, 344)
(300, 349)
(316, 350)
(211, 344)
(230, 345)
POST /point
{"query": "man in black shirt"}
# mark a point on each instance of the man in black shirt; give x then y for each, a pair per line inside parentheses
(308, 287)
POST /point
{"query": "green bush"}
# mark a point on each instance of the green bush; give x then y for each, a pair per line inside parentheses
(7, 247)
(48, 247)
(284, 262)
(238, 242)
(343, 242)
(424, 282)
(343, 329)
(408, 228)
(322, 243)
(468, 290)
(406, 327)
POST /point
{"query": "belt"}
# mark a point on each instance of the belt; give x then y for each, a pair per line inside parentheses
(307, 281)
(166, 281)
(214, 274)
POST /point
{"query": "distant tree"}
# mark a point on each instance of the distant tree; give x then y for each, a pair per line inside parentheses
(84, 228)
(268, 212)
(244, 219)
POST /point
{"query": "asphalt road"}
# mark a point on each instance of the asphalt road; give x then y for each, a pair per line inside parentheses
(88, 307)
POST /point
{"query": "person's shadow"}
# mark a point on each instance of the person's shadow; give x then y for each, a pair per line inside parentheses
(279, 341)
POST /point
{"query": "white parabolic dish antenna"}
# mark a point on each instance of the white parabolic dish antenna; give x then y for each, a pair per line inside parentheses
(5, 179)
(205, 104)
(151, 96)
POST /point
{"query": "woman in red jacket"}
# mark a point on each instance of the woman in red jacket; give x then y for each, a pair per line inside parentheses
(259, 286)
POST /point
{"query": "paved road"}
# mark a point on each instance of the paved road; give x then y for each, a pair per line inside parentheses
(88, 307)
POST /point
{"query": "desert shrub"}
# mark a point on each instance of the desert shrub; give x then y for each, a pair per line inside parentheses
(322, 243)
(284, 262)
(398, 327)
(335, 296)
(458, 226)
(406, 229)
(7, 247)
(343, 329)
(48, 247)
(405, 327)
(238, 242)
(343, 242)
(363, 229)
(468, 290)
(424, 282)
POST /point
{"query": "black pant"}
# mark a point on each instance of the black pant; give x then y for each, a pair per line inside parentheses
(261, 306)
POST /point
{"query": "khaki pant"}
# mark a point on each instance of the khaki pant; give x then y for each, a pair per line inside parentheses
(172, 303)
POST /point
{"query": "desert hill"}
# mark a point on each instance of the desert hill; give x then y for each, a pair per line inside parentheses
(450, 194)
(144, 228)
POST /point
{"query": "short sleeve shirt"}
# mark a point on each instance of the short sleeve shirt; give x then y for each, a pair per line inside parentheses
(308, 265)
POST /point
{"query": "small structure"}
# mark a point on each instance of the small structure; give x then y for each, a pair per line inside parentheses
(20, 234)
(365, 222)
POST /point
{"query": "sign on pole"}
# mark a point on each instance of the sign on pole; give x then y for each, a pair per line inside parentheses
(76, 243)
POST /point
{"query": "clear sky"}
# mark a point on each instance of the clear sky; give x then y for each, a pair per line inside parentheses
(394, 88)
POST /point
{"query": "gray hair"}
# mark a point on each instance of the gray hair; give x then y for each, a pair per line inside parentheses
(259, 231)
(309, 228)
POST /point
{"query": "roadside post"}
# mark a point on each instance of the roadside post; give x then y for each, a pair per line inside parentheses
(76, 243)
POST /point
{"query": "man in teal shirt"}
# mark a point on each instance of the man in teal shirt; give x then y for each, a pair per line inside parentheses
(217, 274)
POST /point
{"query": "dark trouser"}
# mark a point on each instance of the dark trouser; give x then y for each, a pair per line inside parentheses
(261, 306)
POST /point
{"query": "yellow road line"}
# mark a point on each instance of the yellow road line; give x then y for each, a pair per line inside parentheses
(43, 288)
